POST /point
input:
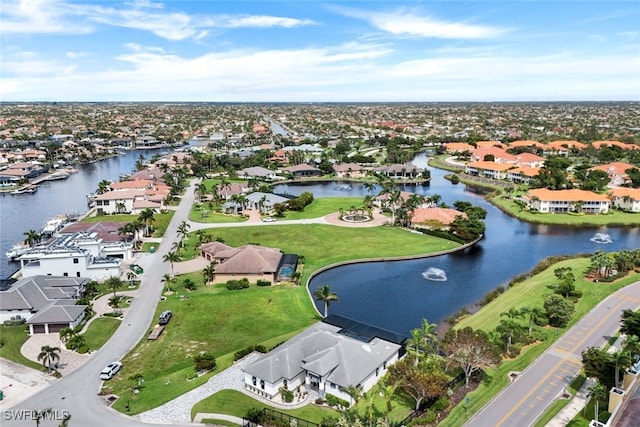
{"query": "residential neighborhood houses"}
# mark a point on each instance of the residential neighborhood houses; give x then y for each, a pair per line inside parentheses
(241, 158)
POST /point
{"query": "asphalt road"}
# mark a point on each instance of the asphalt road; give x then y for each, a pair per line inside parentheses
(76, 393)
(527, 398)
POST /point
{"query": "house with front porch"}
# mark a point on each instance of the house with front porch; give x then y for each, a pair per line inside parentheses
(488, 169)
(399, 171)
(326, 358)
(257, 172)
(303, 171)
(47, 303)
(249, 261)
(349, 170)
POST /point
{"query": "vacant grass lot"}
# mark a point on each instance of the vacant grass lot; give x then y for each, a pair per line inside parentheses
(11, 340)
(529, 293)
(324, 206)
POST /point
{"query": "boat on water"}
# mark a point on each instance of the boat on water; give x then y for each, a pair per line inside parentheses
(17, 250)
(70, 169)
(58, 175)
(56, 224)
(29, 189)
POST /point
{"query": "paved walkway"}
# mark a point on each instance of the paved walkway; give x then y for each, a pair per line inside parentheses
(574, 407)
(19, 382)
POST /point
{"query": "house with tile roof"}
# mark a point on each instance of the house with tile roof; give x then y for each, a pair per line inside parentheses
(257, 172)
(249, 261)
(625, 198)
(349, 170)
(563, 201)
(488, 169)
(458, 147)
(47, 303)
(562, 148)
(401, 171)
(303, 170)
(326, 358)
(522, 175)
(616, 171)
(434, 217)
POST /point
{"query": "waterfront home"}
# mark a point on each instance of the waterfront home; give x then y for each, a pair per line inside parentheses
(349, 170)
(434, 217)
(599, 144)
(522, 175)
(257, 172)
(127, 201)
(563, 201)
(47, 303)
(303, 171)
(488, 169)
(562, 148)
(264, 202)
(458, 147)
(131, 184)
(326, 358)
(498, 155)
(249, 261)
(624, 198)
(399, 171)
(616, 171)
(79, 254)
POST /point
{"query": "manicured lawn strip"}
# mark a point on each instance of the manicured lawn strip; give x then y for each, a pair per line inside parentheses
(99, 332)
(324, 206)
(212, 216)
(559, 404)
(13, 337)
(213, 421)
(232, 402)
(160, 223)
(526, 294)
(614, 218)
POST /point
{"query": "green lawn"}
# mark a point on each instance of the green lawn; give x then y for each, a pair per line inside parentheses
(324, 206)
(99, 332)
(559, 404)
(207, 213)
(528, 294)
(11, 340)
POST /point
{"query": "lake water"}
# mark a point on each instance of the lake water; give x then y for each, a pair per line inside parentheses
(396, 296)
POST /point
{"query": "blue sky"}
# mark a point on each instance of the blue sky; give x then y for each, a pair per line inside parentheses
(306, 51)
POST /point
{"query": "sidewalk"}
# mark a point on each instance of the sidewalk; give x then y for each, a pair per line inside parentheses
(574, 407)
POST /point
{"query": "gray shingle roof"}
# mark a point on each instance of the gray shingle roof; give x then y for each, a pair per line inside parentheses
(58, 314)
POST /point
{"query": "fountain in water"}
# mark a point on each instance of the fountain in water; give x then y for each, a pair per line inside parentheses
(435, 274)
(601, 238)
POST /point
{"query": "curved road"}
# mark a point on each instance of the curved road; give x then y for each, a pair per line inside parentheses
(524, 400)
(518, 404)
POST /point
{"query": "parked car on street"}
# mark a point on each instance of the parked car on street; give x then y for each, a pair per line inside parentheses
(136, 268)
(268, 219)
(110, 370)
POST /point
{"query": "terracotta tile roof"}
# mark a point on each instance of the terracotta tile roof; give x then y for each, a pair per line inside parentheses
(486, 165)
(523, 143)
(561, 144)
(633, 193)
(344, 167)
(486, 144)
(617, 168)
(525, 171)
(251, 259)
(454, 147)
(121, 194)
(442, 215)
(129, 184)
(600, 144)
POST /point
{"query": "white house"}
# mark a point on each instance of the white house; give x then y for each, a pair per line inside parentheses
(563, 201)
(627, 199)
(327, 357)
(80, 254)
(47, 303)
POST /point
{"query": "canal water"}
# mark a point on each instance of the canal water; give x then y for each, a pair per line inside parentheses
(396, 295)
(20, 213)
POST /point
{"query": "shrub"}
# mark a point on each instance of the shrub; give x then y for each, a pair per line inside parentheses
(192, 375)
(205, 362)
(287, 395)
(603, 416)
(455, 179)
(233, 285)
(15, 321)
(491, 295)
(242, 353)
(254, 415)
(335, 401)
(329, 422)
(263, 283)
(441, 404)
(319, 401)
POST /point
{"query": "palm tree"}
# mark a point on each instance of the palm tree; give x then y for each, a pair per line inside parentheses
(369, 186)
(146, 218)
(171, 257)
(48, 355)
(324, 294)
(534, 313)
(200, 190)
(598, 392)
(120, 207)
(183, 232)
(168, 280)
(413, 344)
(631, 345)
(387, 392)
(131, 277)
(621, 359)
(114, 302)
(103, 186)
(429, 336)
(113, 283)
(40, 415)
(209, 272)
(32, 237)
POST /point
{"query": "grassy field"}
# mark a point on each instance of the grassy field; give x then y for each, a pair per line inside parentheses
(197, 211)
(99, 332)
(528, 294)
(11, 340)
(324, 206)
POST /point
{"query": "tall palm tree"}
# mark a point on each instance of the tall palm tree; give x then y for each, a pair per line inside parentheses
(209, 272)
(598, 392)
(48, 355)
(168, 280)
(621, 359)
(631, 345)
(103, 186)
(324, 294)
(147, 218)
(369, 186)
(429, 336)
(32, 237)
(200, 190)
(171, 258)
(354, 392)
(113, 283)
(114, 302)
(534, 313)
(183, 232)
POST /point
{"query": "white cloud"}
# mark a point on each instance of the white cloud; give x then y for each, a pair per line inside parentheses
(39, 17)
(262, 21)
(404, 22)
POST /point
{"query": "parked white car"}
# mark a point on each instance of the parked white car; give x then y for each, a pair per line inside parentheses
(268, 219)
(110, 370)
